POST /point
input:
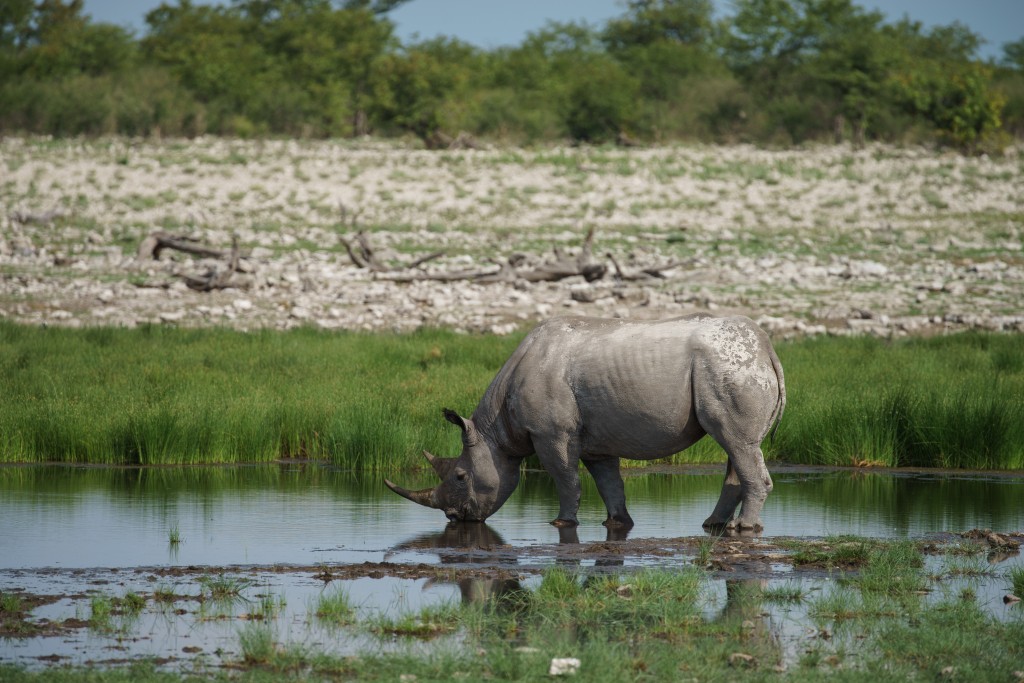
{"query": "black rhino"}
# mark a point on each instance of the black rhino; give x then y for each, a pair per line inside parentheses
(598, 390)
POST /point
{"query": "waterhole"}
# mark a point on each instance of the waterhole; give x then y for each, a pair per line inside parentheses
(286, 537)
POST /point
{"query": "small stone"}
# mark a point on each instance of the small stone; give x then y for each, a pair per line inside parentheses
(407, 678)
(241, 304)
(747, 624)
(625, 591)
(564, 666)
(948, 672)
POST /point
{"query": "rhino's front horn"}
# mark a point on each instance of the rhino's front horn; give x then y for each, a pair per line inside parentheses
(423, 496)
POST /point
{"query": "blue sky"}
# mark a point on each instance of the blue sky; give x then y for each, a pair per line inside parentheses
(491, 23)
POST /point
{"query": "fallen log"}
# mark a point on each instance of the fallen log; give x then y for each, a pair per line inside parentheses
(156, 242)
(561, 268)
(213, 278)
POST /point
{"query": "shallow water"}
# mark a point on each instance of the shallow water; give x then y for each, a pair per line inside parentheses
(309, 514)
(78, 533)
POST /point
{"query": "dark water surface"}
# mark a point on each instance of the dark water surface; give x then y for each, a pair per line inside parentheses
(308, 514)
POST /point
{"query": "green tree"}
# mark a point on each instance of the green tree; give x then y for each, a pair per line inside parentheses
(938, 79)
(1013, 54)
(417, 86)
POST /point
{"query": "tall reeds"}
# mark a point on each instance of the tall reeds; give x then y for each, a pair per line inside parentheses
(157, 395)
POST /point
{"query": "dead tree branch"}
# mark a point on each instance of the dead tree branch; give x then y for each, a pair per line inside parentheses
(562, 267)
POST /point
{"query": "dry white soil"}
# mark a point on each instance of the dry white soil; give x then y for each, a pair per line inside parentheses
(884, 240)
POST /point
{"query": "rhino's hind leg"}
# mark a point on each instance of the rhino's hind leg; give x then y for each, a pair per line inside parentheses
(755, 485)
(729, 499)
(609, 484)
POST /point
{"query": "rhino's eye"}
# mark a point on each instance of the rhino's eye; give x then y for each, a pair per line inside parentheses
(460, 474)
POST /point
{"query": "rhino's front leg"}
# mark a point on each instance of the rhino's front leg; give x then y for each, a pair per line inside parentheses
(609, 484)
(561, 459)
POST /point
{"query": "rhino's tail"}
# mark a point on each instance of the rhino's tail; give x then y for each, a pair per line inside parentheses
(780, 406)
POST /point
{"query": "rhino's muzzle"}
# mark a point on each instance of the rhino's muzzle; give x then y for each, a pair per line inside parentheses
(423, 496)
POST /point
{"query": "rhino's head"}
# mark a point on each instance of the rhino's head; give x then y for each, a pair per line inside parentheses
(472, 488)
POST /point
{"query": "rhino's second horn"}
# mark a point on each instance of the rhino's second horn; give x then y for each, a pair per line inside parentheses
(443, 466)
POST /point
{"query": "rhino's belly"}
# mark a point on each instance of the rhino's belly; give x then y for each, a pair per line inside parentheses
(639, 437)
(642, 415)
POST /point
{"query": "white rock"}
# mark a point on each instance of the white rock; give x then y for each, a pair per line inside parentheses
(564, 666)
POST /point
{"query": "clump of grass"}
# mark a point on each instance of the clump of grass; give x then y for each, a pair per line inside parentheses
(14, 616)
(893, 569)
(109, 613)
(783, 593)
(259, 646)
(267, 607)
(842, 552)
(174, 536)
(1017, 581)
(335, 608)
(222, 588)
(426, 623)
(972, 566)
(165, 595)
(705, 548)
(10, 603)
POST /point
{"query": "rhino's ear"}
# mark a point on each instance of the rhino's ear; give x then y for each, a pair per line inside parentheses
(443, 466)
(454, 418)
(469, 437)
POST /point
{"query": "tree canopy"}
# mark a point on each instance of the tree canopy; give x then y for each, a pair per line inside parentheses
(771, 71)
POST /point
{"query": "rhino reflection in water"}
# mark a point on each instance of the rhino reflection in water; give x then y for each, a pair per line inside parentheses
(596, 390)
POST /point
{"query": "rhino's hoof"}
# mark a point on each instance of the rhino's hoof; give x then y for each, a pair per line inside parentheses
(715, 523)
(564, 523)
(619, 522)
(746, 524)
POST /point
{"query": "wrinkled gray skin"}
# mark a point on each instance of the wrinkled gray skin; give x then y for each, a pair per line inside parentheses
(598, 390)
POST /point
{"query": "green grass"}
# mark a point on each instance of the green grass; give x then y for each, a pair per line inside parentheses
(158, 395)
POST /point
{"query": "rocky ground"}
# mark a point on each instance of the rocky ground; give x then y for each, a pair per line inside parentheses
(884, 241)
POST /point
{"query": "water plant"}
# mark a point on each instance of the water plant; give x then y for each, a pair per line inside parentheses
(174, 536)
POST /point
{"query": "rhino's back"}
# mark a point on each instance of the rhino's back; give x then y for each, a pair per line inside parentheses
(627, 385)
